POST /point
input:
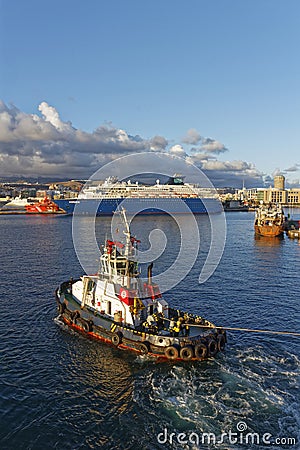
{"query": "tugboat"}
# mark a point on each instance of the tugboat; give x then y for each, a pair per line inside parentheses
(45, 206)
(293, 231)
(269, 220)
(116, 306)
(292, 228)
(294, 234)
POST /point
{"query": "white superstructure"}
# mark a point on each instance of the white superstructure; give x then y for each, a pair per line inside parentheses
(113, 188)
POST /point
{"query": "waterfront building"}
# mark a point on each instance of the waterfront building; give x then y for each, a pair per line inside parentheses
(293, 196)
(277, 194)
(289, 197)
(279, 182)
(274, 195)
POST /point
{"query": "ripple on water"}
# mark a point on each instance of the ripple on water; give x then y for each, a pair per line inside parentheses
(60, 390)
(214, 396)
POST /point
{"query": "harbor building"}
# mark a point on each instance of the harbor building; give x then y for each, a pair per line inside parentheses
(293, 197)
(273, 195)
(287, 197)
(279, 182)
(277, 194)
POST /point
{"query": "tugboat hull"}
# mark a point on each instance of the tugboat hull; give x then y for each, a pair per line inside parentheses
(198, 345)
(269, 230)
(269, 220)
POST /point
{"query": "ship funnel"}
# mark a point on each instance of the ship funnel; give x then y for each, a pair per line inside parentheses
(150, 267)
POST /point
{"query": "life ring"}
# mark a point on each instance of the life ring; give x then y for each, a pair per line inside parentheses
(172, 352)
(212, 347)
(201, 351)
(116, 338)
(186, 353)
(221, 342)
(144, 348)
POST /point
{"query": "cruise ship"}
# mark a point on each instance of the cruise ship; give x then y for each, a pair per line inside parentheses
(173, 197)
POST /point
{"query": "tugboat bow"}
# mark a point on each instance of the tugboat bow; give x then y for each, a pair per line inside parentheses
(118, 307)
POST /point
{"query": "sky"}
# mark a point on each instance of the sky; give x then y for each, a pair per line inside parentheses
(214, 82)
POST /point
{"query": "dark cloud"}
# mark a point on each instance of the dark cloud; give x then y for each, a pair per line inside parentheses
(212, 146)
(192, 137)
(158, 143)
(268, 180)
(232, 173)
(206, 144)
(293, 168)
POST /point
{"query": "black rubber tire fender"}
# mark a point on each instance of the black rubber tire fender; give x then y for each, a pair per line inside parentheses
(201, 351)
(83, 324)
(212, 347)
(74, 316)
(61, 308)
(187, 353)
(68, 314)
(172, 352)
(221, 342)
(223, 333)
(144, 347)
(116, 338)
(90, 324)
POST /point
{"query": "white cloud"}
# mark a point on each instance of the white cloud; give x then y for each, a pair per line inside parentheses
(51, 115)
(47, 141)
(227, 165)
(45, 145)
(177, 150)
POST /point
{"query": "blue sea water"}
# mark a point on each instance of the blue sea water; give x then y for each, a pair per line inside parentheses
(59, 390)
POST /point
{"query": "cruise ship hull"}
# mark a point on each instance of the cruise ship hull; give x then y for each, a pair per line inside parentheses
(106, 207)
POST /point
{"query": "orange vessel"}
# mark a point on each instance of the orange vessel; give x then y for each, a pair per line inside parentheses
(44, 206)
(269, 220)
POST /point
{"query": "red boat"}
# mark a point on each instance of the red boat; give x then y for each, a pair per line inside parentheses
(44, 206)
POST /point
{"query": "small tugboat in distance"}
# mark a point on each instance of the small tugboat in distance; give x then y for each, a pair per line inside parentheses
(118, 307)
(293, 231)
(294, 234)
(269, 220)
(292, 228)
